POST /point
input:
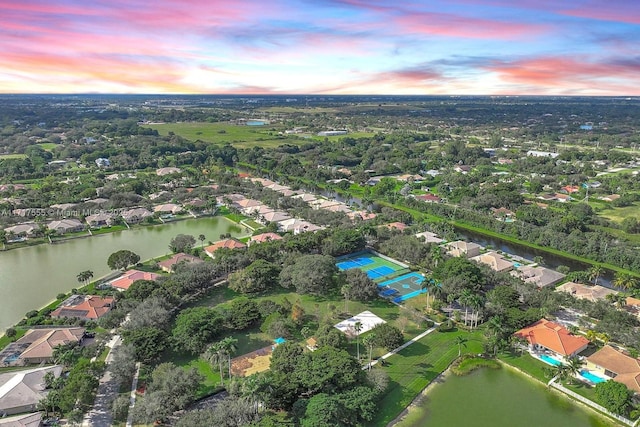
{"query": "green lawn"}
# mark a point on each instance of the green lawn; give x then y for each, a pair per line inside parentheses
(47, 146)
(411, 370)
(528, 364)
(618, 214)
(12, 156)
(221, 133)
(211, 382)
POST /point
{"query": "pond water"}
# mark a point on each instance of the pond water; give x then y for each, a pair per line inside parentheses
(497, 398)
(31, 277)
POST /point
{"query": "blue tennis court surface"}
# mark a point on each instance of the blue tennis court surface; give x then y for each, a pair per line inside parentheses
(405, 287)
(376, 273)
(388, 292)
(354, 263)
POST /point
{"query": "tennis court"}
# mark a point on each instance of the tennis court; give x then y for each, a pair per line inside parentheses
(403, 287)
(376, 267)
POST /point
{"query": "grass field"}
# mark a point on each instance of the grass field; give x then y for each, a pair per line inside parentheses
(529, 364)
(411, 370)
(12, 156)
(618, 214)
(222, 133)
(47, 146)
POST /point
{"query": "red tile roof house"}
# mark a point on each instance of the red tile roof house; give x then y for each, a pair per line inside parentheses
(123, 282)
(41, 342)
(170, 264)
(264, 237)
(547, 335)
(226, 244)
(429, 198)
(396, 225)
(616, 365)
(88, 307)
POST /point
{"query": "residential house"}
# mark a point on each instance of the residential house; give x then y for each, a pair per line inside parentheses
(21, 391)
(616, 365)
(401, 226)
(167, 171)
(259, 211)
(262, 181)
(429, 198)
(429, 237)
(495, 261)
(277, 187)
(101, 162)
(306, 197)
(633, 306)
(297, 226)
(463, 169)
(123, 282)
(569, 189)
(312, 344)
(65, 226)
(339, 207)
(462, 248)
(87, 307)
(23, 420)
(546, 335)
(20, 230)
(536, 153)
(223, 244)
(136, 215)
(246, 204)
(275, 216)
(538, 275)
(323, 203)
(63, 206)
(264, 237)
(100, 219)
(502, 214)
(610, 197)
(170, 264)
(589, 292)
(12, 187)
(563, 198)
(37, 345)
(167, 208)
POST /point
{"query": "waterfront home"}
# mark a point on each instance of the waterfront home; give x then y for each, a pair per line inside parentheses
(123, 282)
(589, 292)
(545, 335)
(632, 305)
(169, 265)
(244, 204)
(613, 364)
(224, 244)
(21, 391)
(37, 345)
(539, 276)
(494, 260)
(65, 226)
(133, 216)
(462, 248)
(275, 216)
(305, 197)
(167, 208)
(297, 226)
(363, 215)
(429, 237)
(87, 307)
(258, 211)
(21, 230)
(100, 219)
(264, 237)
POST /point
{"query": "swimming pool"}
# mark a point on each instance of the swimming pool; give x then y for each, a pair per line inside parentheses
(591, 377)
(550, 360)
(517, 264)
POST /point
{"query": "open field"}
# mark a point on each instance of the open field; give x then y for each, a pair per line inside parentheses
(47, 146)
(619, 214)
(222, 133)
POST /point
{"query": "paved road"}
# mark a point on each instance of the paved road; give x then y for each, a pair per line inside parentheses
(100, 414)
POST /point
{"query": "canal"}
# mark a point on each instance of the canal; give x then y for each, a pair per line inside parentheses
(31, 277)
(498, 398)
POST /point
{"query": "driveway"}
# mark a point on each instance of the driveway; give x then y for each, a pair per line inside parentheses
(100, 414)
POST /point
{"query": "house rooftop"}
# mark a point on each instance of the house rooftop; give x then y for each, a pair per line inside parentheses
(90, 307)
(626, 368)
(224, 244)
(128, 277)
(552, 336)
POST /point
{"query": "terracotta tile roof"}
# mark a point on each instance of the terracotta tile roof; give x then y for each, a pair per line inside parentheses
(397, 225)
(265, 237)
(627, 368)
(42, 341)
(167, 264)
(226, 243)
(553, 336)
(130, 276)
(92, 307)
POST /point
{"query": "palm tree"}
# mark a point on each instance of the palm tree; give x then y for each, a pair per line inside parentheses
(476, 303)
(358, 327)
(625, 281)
(345, 290)
(573, 367)
(369, 342)
(215, 356)
(462, 342)
(230, 347)
(465, 299)
(561, 371)
(436, 254)
(436, 291)
(620, 300)
(202, 238)
(595, 272)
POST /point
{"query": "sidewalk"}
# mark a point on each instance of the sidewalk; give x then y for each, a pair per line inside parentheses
(100, 414)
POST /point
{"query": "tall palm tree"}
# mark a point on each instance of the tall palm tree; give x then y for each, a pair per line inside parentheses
(573, 367)
(369, 342)
(476, 303)
(345, 290)
(465, 299)
(595, 272)
(561, 371)
(461, 342)
(202, 238)
(358, 327)
(215, 356)
(230, 346)
(436, 254)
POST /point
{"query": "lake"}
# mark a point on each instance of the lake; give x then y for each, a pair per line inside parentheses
(31, 277)
(498, 398)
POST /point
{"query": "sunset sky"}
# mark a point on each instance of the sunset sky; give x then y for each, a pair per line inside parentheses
(501, 47)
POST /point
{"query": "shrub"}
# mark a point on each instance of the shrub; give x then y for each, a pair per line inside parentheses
(445, 326)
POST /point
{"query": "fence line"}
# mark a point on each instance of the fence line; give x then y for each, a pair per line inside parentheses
(591, 404)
